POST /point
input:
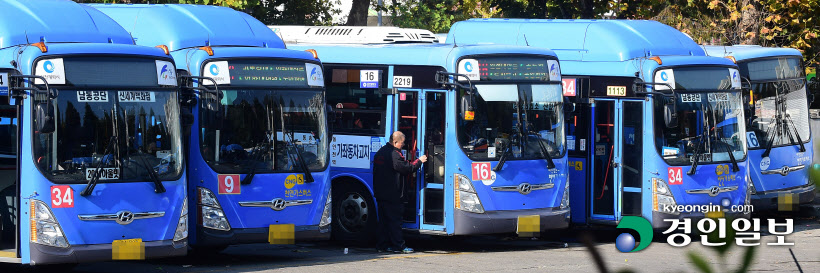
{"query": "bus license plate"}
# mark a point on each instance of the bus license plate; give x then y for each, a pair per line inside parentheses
(105, 173)
(282, 234)
(129, 249)
(529, 226)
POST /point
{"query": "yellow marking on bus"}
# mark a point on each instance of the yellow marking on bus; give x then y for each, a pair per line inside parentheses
(8, 254)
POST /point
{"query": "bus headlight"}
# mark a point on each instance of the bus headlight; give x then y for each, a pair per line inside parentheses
(45, 229)
(565, 198)
(466, 198)
(182, 224)
(211, 214)
(662, 197)
(326, 212)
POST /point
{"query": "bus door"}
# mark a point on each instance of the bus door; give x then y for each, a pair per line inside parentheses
(421, 119)
(407, 121)
(431, 185)
(617, 158)
(9, 186)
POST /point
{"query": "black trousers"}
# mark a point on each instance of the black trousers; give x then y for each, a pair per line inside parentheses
(390, 235)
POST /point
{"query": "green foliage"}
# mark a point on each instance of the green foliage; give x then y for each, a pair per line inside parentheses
(436, 17)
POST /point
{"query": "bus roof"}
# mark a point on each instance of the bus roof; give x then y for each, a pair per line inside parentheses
(183, 26)
(581, 40)
(352, 35)
(747, 52)
(437, 54)
(56, 21)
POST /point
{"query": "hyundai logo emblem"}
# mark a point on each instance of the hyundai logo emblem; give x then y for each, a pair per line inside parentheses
(278, 204)
(785, 170)
(714, 190)
(124, 217)
(525, 188)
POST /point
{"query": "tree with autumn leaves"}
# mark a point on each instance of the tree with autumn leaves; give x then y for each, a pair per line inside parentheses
(776, 23)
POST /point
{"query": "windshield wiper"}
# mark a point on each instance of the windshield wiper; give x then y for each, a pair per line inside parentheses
(728, 148)
(503, 158)
(701, 142)
(782, 121)
(544, 151)
(158, 187)
(255, 160)
(93, 182)
(300, 160)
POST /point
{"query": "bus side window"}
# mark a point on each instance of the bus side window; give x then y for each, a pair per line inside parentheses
(359, 111)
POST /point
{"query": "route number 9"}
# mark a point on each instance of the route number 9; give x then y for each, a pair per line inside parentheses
(228, 184)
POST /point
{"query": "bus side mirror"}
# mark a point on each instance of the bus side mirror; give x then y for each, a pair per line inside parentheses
(44, 123)
(467, 112)
(569, 106)
(670, 113)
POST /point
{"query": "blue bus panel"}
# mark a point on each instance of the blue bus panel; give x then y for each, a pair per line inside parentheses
(777, 121)
(258, 146)
(643, 157)
(91, 125)
(459, 190)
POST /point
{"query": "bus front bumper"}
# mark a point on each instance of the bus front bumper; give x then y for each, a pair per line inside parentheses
(768, 200)
(41, 254)
(497, 222)
(236, 236)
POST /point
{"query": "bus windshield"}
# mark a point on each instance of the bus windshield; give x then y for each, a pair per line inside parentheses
(127, 126)
(499, 109)
(260, 126)
(710, 120)
(111, 129)
(778, 87)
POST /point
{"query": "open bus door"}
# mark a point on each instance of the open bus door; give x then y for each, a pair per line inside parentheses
(617, 159)
(420, 116)
(9, 185)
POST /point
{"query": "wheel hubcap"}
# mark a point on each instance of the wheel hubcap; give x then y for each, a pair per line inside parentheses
(354, 213)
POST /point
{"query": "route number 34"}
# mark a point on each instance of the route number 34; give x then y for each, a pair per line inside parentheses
(62, 197)
(675, 177)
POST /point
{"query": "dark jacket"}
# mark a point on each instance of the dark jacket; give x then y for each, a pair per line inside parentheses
(388, 166)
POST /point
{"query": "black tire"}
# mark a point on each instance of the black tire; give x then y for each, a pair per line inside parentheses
(354, 214)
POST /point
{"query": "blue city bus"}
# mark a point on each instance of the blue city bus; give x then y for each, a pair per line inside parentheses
(258, 153)
(654, 122)
(489, 118)
(92, 165)
(777, 124)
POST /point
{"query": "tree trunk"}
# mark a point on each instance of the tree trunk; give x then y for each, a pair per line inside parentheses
(749, 23)
(358, 13)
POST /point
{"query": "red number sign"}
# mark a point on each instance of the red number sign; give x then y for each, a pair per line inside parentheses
(62, 197)
(675, 177)
(228, 184)
(481, 170)
(569, 87)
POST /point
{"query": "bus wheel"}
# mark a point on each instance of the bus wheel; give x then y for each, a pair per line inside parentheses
(354, 214)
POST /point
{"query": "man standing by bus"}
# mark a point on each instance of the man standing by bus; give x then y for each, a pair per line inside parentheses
(388, 166)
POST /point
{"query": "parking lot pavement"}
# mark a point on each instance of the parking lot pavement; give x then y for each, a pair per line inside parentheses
(482, 253)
